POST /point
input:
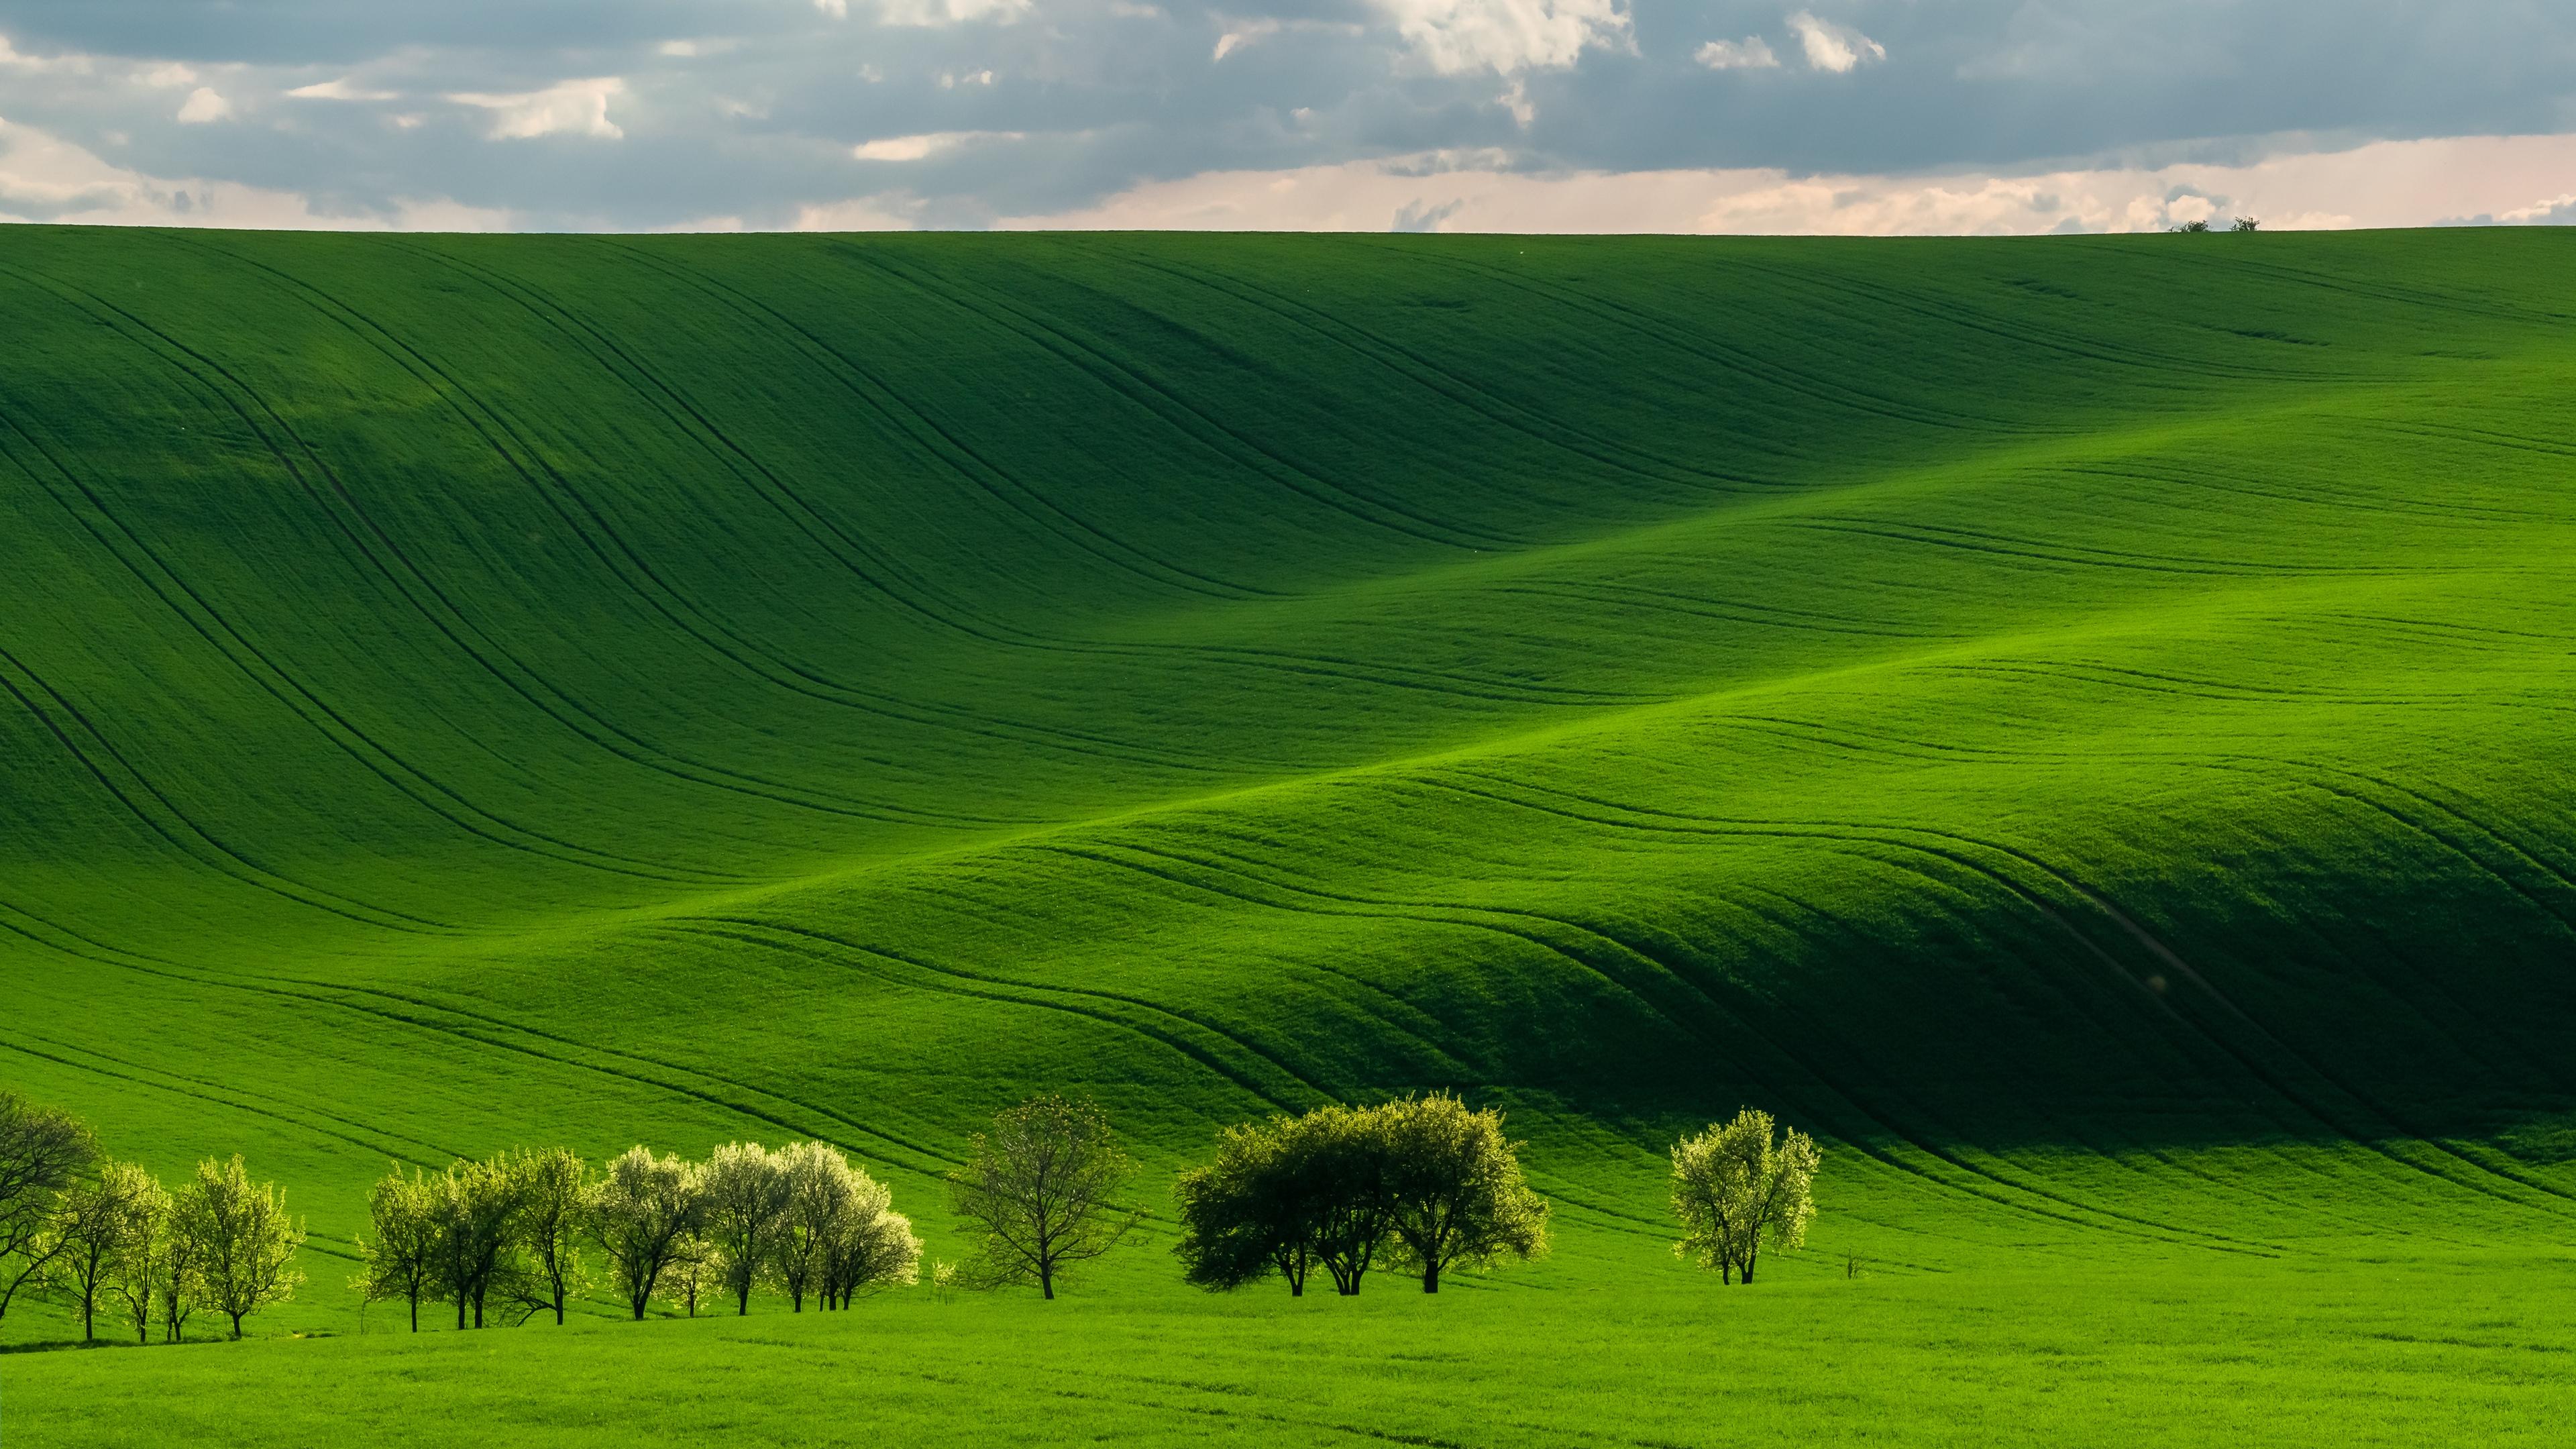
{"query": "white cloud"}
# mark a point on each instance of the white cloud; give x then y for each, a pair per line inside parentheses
(203, 105)
(1249, 32)
(950, 80)
(577, 107)
(1505, 36)
(2555, 211)
(949, 12)
(862, 214)
(837, 9)
(40, 64)
(45, 178)
(165, 75)
(2388, 183)
(915, 148)
(1750, 53)
(1832, 47)
(338, 90)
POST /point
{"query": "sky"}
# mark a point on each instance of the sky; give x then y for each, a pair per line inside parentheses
(1859, 116)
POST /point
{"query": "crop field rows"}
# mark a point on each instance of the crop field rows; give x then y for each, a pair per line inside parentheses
(2082, 727)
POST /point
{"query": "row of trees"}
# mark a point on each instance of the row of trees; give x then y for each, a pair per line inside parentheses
(92, 1232)
(1423, 1184)
(1428, 1185)
(513, 1234)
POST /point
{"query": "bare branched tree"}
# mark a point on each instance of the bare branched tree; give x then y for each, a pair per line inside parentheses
(1040, 1192)
(42, 1151)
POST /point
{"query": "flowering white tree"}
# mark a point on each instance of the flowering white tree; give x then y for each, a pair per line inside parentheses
(1736, 1189)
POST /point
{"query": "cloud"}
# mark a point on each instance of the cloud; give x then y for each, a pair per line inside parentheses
(837, 9)
(339, 90)
(1505, 36)
(922, 147)
(577, 107)
(861, 214)
(2389, 183)
(1750, 53)
(203, 105)
(922, 14)
(40, 64)
(1248, 33)
(45, 178)
(1836, 48)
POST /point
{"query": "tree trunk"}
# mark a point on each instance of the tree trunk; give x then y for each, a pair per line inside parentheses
(415, 1312)
(1046, 1281)
(1431, 1276)
(460, 1310)
(236, 1325)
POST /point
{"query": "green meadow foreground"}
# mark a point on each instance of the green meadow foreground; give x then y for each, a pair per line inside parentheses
(2083, 727)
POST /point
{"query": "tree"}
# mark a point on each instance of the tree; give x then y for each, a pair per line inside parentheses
(94, 1221)
(818, 1186)
(91, 1220)
(554, 1206)
(836, 1233)
(873, 1247)
(403, 1258)
(1254, 1211)
(474, 1210)
(243, 1242)
(2245, 223)
(1345, 1152)
(745, 1186)
(1735, 1189)
(1039, 1191)
(695, 1268)
(135, 1271)
(645, 1210)
(2193, 226)
(1455, 1188)
(42, 1151)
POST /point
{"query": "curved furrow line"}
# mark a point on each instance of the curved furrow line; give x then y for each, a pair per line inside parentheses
(1726, 612)
(211, 852)
(406, 779)
(1163, 403)
(201, 1090)
(1918, 535)
(2150, 365)
(1467, 917)
(1447, 383)
(1869, 833)
(2095, 550)
(2343, 503)
(690, 420)
(987, 477)
(2164, 954)
(808, 945)
(1387, 1009)
(320, 994)
(449, 617)
(1748, 362)
(1277, 660)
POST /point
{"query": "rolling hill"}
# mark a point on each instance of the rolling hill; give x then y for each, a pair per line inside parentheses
(2081, 725)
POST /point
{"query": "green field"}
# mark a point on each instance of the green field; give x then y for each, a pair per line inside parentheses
(2083, 726)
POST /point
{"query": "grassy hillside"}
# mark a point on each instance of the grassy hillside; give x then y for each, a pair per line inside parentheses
(2081, 725)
